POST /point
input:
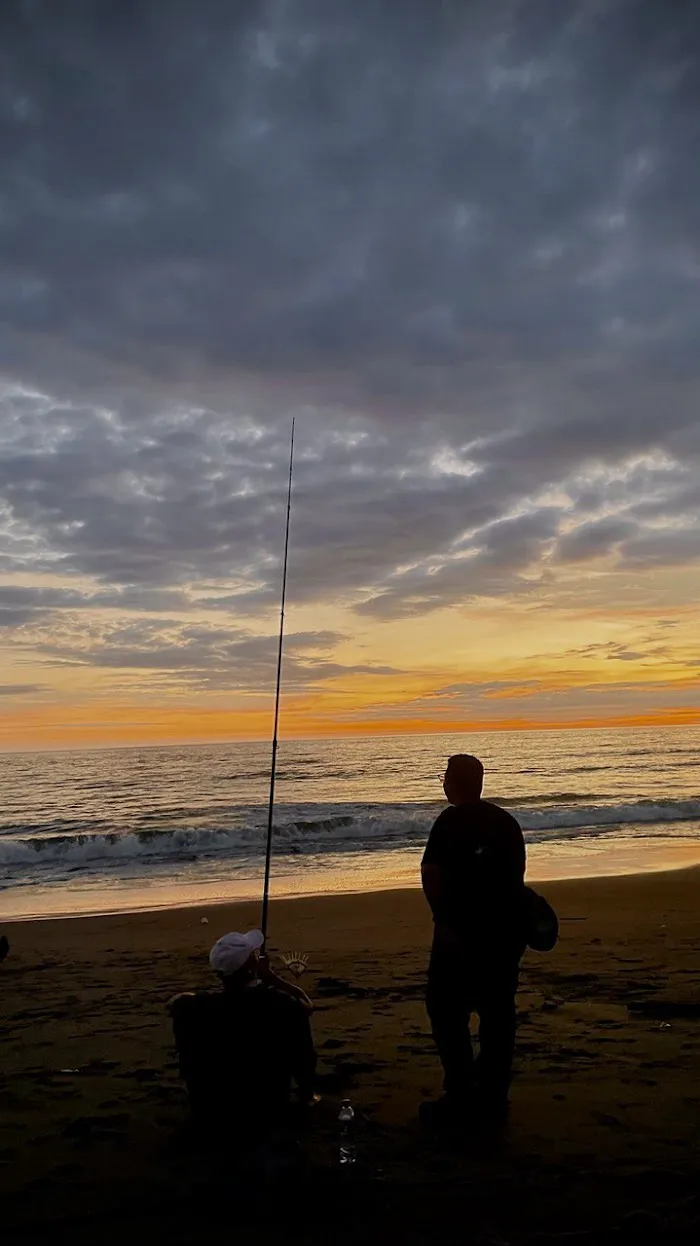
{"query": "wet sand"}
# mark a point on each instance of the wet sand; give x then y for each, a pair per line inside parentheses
(605, 1116)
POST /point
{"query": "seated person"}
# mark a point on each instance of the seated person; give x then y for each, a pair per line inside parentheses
(241, 1046)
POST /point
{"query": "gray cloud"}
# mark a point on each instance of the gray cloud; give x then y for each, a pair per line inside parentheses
(666, 549)
(489, 563)
(30, 601)
(428, 162)
(204, 656)
(19, 690)
(461, 242)
(488, 703)
(593, 539)
(614, 651)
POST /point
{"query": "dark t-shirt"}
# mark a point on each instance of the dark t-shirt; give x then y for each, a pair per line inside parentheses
(480, 851)
(241, 1049)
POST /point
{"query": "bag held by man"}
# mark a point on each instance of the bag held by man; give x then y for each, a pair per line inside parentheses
(541, 922)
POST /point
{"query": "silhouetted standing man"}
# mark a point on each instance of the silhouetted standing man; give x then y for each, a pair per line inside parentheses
(473, 874)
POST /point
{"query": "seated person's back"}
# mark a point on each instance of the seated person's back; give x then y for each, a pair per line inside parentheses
(241, 1047)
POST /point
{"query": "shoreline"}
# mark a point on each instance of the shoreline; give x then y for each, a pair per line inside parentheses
(626, 859)
(367, 908)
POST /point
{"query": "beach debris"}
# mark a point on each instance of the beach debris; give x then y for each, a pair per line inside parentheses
(295, 962)
(205, 921)
(665, 1025)
(69, 1070)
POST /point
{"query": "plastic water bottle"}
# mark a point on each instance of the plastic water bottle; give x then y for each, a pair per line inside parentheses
(346, 1120)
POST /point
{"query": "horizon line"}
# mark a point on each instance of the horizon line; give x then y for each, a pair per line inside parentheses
(628, 724)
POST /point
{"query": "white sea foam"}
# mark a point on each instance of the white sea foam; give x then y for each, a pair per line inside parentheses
(315, 829)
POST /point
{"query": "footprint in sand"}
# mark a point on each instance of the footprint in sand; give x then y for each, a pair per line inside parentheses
(605, 1118)
(110, 1125)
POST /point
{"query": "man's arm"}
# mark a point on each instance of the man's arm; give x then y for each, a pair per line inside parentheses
(433, 868)
(433, 886)
(516, 858)
(267, 974)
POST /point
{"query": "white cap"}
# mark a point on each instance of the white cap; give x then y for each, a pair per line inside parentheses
(230, 953)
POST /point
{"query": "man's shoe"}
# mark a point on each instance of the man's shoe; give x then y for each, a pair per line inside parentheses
(446, 1112)
(492, 1108)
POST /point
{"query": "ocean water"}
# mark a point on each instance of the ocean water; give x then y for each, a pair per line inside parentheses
(101, 831)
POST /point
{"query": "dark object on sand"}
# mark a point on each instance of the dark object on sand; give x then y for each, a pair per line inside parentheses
(541, 923)
(4, 948)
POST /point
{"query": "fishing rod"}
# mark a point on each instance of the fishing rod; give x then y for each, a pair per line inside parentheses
(273, 767)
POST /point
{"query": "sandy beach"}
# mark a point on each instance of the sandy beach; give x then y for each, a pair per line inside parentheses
(605, 1116)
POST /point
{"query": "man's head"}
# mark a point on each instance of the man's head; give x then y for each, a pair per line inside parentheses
(235, 956)
(464, 779)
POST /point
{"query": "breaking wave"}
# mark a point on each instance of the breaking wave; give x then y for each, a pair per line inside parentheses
(316, 829)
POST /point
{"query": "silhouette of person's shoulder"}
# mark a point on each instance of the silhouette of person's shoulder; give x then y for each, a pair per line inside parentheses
(499, 813)
(191, 1003)
(258, 1000)
(476, 813)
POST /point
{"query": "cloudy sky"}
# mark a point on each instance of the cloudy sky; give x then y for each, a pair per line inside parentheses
(460, 243)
